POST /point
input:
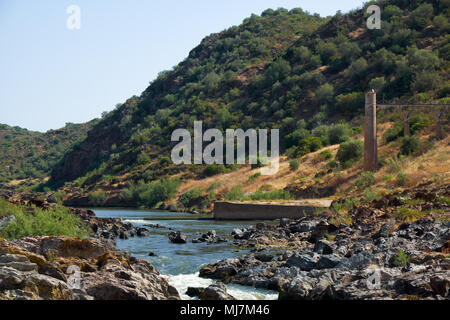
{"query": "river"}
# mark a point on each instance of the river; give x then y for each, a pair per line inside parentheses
(181, 263)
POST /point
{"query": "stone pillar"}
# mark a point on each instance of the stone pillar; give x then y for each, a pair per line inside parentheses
(370, 135)
(406, 117)
(439, 115)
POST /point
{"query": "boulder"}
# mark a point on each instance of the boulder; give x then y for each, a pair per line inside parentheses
(177, 237)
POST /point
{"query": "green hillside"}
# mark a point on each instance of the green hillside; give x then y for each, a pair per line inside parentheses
(283, 69)
(31, 155)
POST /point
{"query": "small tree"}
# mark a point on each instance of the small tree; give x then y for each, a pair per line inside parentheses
(350, 152)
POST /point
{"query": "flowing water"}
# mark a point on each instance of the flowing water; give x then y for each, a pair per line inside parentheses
(181, 263)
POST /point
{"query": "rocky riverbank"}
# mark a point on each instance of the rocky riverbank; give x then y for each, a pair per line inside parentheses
(60, 268)
(369, 253)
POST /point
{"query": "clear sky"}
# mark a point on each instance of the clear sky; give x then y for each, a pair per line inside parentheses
(50, 75)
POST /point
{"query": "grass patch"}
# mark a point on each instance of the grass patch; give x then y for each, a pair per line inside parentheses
(400, 259)
(407, 214)
(38, 222)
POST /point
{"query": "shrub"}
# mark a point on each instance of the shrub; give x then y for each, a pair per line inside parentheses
(365, 180)
(254, 177)
(351, 103)
(418, 123)
(150, 194)
(186, 198)
(326, 155)
(407, 214)
(143, 158)
(394, 133)
(402, 178)
(98, 198)
(58, 221)
(214, 169)
(294, 164)
(235, 193)
(370, 196)
(350, 152)
(339, 133)
(409, 145)
(270, 195)
(394, 165)
(311, 144)
(400, 259)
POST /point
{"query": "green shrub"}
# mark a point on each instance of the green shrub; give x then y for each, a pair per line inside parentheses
(418, 123)
(150, 194)
(38, 222)
(402, 178)
(394, 165)
(339, 133)
(254, 177)
(326, 155)
(365, 180)
(269, 195)
(350, 152)
(370, 196)
(235, 193)
(394, 133)
(400, 259)
(214, 169)
(98, 198)
(409, 145)
(189, 195)
(294, 165)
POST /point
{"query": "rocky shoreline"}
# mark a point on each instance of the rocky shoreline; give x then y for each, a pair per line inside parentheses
(62, 268)
(374, 257)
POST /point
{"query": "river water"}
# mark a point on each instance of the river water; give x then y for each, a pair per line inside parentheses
(181, 263)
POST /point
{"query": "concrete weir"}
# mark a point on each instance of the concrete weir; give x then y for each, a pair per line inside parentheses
(267, 210)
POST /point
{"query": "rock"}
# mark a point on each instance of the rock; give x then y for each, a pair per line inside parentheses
(142, 232)
(193, 292)
(305, 262)
(216, 291)
(264, 257)
(323, 247)
(306, 226)
(94, 271)
(328, 261)
(177, 237)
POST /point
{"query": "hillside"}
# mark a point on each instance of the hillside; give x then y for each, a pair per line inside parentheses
(28, 155)
(284, 69)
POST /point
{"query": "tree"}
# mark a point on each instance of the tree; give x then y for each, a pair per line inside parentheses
(350, 152)
(357, 68)
(328, 52)
(325, 93)
(339, 133)
(350, 103)
(377, 84)
(421, 17)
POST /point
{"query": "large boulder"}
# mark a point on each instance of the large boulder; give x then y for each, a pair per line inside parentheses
(177, 237)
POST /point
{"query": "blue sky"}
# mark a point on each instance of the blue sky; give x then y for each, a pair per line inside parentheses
(50, 75)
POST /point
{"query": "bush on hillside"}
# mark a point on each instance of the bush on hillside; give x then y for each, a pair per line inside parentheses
(350, 152)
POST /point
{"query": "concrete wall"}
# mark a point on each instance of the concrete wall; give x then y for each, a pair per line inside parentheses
(261, 211)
